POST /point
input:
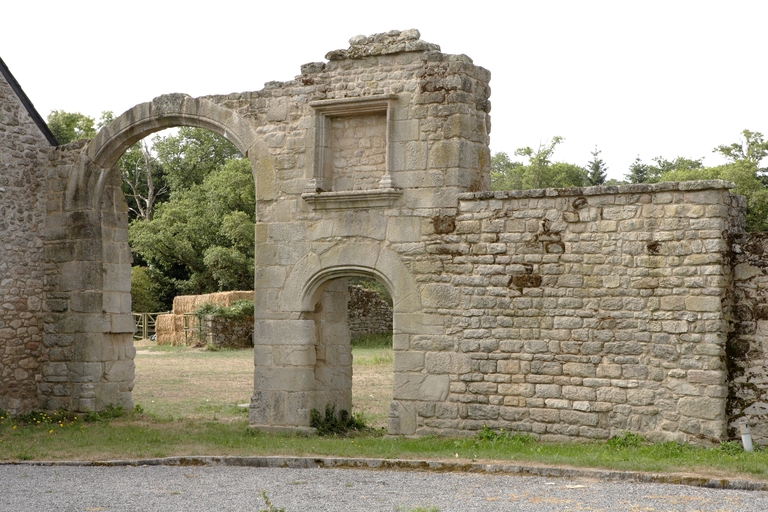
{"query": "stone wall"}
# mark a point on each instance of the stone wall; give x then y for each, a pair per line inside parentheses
(570, 314)
(227, 332)
(24, 153)
(367, 312)
(576, 313)
(747, 349)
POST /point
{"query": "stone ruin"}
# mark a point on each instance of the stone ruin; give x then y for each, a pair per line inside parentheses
(569, 314)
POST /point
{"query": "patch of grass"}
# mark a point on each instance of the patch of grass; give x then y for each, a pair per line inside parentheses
(381, 341)
(373, 356)
(135, 436)
(626, 440)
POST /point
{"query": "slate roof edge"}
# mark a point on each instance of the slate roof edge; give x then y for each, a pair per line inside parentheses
(33, 113)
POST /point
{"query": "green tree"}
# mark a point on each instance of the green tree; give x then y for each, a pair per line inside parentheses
(678, 164)
(540, 172)
(144, 295)
(638, 171)
(505, 174)
(143, 180)
(203, 235)
(70, 126)
(752, 148)
(743, 170)
(598, 171)
(190, 155)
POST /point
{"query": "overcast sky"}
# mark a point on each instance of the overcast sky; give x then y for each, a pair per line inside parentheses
(648, 78)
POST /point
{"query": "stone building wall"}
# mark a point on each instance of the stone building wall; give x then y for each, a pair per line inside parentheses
(367, 312)
(24, 153)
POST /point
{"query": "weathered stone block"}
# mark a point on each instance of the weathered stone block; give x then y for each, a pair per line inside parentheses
(440, 296)
(701, 407)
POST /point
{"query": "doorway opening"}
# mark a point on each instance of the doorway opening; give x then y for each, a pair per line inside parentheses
(191, 211)
(354, 355)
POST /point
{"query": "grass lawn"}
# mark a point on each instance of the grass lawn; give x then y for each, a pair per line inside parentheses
(189, 404)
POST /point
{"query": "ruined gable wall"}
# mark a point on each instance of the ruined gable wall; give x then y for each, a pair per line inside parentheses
(576, 313)
(24, 154)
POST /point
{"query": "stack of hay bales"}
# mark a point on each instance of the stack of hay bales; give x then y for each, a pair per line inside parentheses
(169, 328)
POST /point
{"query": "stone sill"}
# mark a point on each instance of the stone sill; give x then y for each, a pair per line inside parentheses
(353, 199)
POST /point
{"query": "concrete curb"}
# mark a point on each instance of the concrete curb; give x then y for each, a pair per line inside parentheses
(419, 465)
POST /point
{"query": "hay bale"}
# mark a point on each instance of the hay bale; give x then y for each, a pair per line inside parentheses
(184, 304)
(165, 329)
(188, 303)
(228, 298)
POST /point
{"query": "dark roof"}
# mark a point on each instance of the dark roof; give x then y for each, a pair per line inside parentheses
(27, 104)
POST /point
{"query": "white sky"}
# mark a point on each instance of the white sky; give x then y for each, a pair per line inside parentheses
(643, 78)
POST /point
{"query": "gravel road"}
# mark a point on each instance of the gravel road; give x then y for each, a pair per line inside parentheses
(164, 488)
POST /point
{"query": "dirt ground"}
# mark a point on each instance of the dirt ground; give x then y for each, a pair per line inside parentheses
(195, 383)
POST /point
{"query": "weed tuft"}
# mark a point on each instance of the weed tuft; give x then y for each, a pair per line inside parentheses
(268, 504)
(730, 447)
(336, 425)
(492, 436)
(111, 412)
(626, 440)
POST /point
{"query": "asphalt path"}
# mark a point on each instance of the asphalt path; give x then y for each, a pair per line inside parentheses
(221, 488)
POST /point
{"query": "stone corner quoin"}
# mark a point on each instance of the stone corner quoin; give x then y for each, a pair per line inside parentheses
(565, 313)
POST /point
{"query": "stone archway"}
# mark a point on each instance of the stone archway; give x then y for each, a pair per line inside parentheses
(293, 373)
(167, 111)
(88, 242)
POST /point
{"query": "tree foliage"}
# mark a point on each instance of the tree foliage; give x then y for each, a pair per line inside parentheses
(640, 172)
(751, 148)
(539, 172)
(203, 235)
(143, 180)
(70, 126)
(145, 295)
(596, 169)
(191, 155)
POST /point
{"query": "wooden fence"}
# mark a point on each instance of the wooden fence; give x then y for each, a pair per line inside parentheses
(145, 325)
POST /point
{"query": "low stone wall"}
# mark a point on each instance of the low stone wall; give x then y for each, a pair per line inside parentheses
(228, 333)
(367, 312)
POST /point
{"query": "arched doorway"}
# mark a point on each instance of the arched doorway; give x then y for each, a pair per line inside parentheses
(313, 299)
(90, 235)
